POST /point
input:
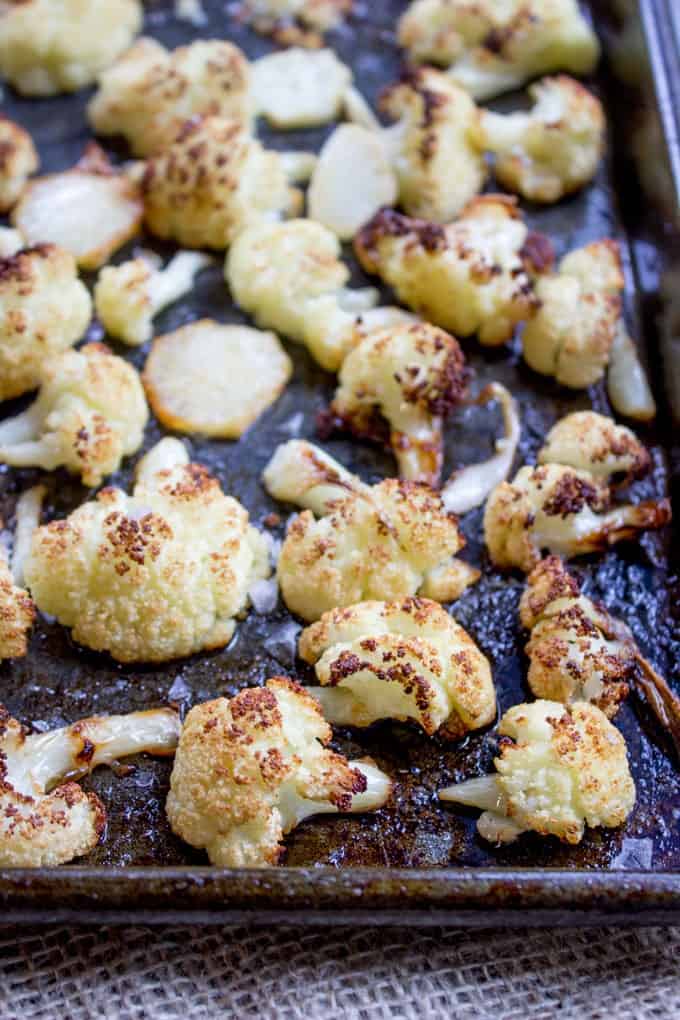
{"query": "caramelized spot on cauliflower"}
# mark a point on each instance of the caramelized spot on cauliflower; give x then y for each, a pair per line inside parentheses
(18, 160)
(592, 442)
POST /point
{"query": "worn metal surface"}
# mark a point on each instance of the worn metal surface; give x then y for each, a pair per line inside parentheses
(59, 681)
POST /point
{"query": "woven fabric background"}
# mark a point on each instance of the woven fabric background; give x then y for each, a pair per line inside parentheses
(367, 974)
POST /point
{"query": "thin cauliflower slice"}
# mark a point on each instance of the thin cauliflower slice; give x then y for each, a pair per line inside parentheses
(593, 442)
(149, 93)
(215, 380)
(471, 276)
(53, 46)
(299, 88)
(386, 541)
(494, 46)
(18, 160)
(399, 660)
(560, 768)
(44, 309)
(41, 829)
(212, 182)
(627, 383)
(90, 413)
(398, 385)
(153, 576)
(250, 769)
(555, 148)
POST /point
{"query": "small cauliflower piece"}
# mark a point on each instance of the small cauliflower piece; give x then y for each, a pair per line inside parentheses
(321, 15)
(90, 413)
(18, 160)
(494, 46)
(386, 541)
(215, 380)
(11, 242)
(398, 385)
(41, 829)
(153, 576)
(471, 276)
(17, 614)
(128, 296)
(44, 309)
(53, 46)
(560, 768)
(592, 442)
(212, 182)
(299, 88)
(399, 660)
(250, 769)
(627, 383)
(555, 148)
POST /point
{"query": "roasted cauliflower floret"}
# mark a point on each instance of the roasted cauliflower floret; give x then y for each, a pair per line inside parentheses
(555, 148)
(560, 768)
(41, 829)
(398, 384)
(299, 88)
(385, 541)
(492, 47)
(250, 769)
(53, 46)
(153, 576)
(18, 160)
(316, 14)
(90, 413)
(471, 276)
(571, 335)
(44, 309)
(213, 181)
(17, 614)
(399, 660)
(592, 442)
(627, 383)
(150, 92)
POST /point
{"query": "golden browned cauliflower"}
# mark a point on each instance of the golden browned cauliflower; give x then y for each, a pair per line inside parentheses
(18, 160)
(53, 46)
(552, 150)
(44, 309)
(399, 660)
(250, 769)
(398, 385)
(571, 335)
(91, 412)
(153, 576)
(150, 91)
(492, 47)
(212, 182)
(17, 614)
(41, 829)
(355, 541)
(560, 768)
(471, 276)
(592, 442)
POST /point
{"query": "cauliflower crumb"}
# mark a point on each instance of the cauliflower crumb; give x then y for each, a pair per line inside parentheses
(592, 442)
(18, 160)
(298, 88)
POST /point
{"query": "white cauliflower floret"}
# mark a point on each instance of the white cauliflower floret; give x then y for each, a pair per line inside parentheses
(299, 88)
(398, 385)
(41, 829)
(44, 309)
(592, 442)
(399, 660)
(471, 276)
(385, 541)
(250, 769)
(18, 160)
(317, 14)
(53, 46)
(128, 296)
(211, 183)
(562, 768)
(493, 46)
(571, 335)
(153, 576)
(90, 413)
(555, 148)
(150, 91)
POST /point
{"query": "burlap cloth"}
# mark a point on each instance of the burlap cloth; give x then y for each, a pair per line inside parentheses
(376, 974)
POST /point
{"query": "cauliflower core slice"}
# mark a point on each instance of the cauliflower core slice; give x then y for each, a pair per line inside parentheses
(150, 92)
(385, 541)
(44, 309)
(90, 210)
(213, 379)
(399, 660)
(592, 442)
(561, 769)
(53, 46)
(153, 576)
(299, 88)
(91, 412)
(41, 829)
(471, 276)
(212, 182)
(627, 383)
(18, 160)
(494, 46)
(250, 769)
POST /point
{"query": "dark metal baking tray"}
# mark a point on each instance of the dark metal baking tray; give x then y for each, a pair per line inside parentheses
(416, 860)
